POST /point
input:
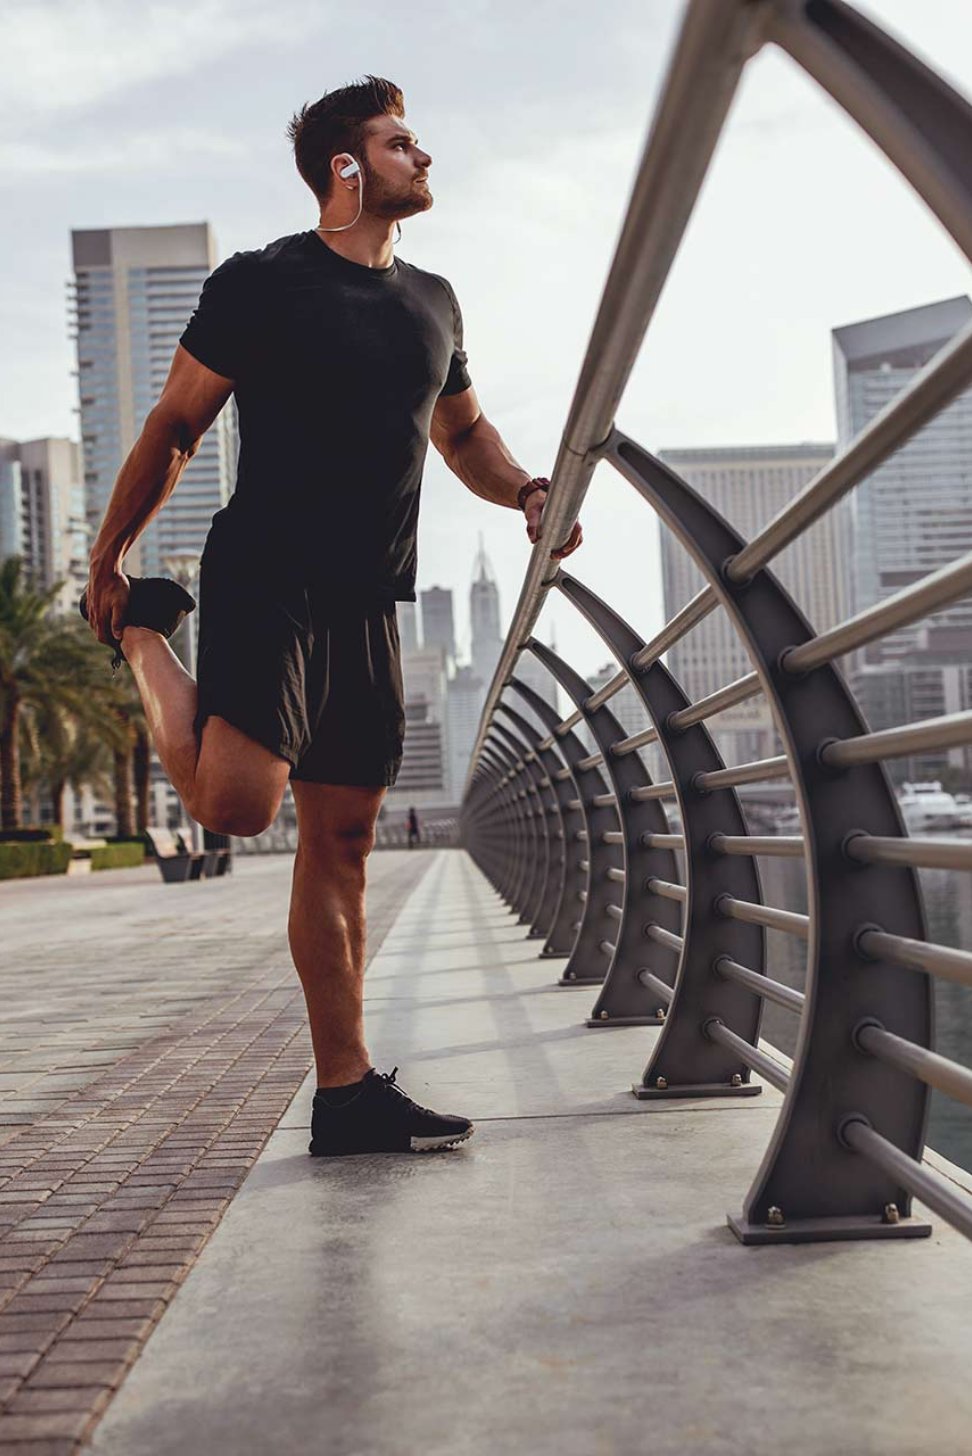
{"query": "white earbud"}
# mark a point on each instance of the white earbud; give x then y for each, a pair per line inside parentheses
(351, 170)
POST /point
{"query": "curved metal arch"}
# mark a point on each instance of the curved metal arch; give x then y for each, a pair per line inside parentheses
(558, 809)
(538, 871)
(685, 1062)
(526, 849)
(627, 998)
(486, 824)
(807, 1179)
(586, 965)
(511, 872)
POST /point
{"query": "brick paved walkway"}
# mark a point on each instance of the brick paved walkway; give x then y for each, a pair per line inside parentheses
(152, 1037)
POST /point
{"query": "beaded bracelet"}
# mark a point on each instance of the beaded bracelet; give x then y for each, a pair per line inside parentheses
(539, 482)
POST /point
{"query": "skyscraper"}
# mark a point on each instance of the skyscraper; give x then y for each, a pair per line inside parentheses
(134, 291)
(408, 626)
(438, 622)
(910, 516)
(42, 514)
(748, 485)
(484, 618)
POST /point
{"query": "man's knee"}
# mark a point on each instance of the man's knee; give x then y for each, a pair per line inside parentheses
(225, 811)
(347, 842)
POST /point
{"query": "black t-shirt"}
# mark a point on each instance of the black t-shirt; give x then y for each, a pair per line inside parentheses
(337, 368)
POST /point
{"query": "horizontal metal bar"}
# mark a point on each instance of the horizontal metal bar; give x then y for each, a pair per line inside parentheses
(770, 990)
(613, 836)
(663, 841)
(667, 890)
(656, 984)
(604, 801)
(932, 854)
(764, 1065)
(582, 896)
(918, 1061)
(786, 846)
(592, 761)
(938, 960)
(683, 621)
(562, 774)
(644, 792)
(744, 773)
(616, 912)
(563, 728)
(664, 937)
(581, 834)
(927, 392)
(637, 740)
(618, 876)
(934, 1191)
(727, 697)
(573, 804)
(786, 920)
(912, 604)
(583, 864)
(952, 730)
(607, 947)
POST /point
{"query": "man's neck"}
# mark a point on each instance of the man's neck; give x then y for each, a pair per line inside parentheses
(369, 242)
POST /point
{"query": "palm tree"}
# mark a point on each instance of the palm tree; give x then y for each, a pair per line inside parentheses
(47, 663)
(59, 748)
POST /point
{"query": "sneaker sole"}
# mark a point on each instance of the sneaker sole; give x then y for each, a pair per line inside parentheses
(431, 1144)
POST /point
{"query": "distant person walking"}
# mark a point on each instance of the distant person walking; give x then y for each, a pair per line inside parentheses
(413, 829)
(345, 361)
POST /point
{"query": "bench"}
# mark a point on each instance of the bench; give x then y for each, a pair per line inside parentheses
(178, 863)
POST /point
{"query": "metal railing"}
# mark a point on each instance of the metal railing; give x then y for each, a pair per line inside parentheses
(671, 926)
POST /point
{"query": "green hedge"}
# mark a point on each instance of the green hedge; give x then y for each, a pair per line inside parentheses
(22, 861)
(33, 835)
(118, 856)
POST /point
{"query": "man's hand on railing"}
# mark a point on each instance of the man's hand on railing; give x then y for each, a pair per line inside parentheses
(532, 503)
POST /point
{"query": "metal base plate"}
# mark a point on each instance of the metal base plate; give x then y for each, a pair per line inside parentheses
(624, 1021)
(696, 1089)
(549, 955)
(817, 1230)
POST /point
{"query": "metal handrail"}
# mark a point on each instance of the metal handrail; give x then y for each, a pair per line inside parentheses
(710, 1012)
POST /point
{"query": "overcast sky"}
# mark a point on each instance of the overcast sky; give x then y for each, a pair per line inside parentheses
(535, 116)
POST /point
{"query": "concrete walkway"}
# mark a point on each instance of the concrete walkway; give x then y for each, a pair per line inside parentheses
(565, 1283)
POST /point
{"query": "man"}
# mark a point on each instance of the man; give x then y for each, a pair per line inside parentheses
(344, 361)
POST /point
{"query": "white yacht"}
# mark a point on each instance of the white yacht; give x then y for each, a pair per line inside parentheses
(928, 806)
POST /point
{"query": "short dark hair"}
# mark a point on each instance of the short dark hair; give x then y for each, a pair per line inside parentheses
(336, 123)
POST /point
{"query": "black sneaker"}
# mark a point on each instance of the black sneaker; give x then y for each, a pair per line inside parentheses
(154, 601)
(382, 1119)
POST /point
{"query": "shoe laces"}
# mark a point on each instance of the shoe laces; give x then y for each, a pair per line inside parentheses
(389, 1084)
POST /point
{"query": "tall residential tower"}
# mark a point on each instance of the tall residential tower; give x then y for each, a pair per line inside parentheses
(134, 291)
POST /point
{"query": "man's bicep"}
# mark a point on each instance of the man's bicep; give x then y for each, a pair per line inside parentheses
(193, 394)
(454, 415)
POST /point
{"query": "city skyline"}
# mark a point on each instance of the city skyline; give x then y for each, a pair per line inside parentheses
(524, 224)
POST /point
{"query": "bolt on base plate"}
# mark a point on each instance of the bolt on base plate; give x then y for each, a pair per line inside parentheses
(814, 1230)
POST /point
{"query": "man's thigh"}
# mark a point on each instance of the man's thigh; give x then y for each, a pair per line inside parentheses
(238, 775)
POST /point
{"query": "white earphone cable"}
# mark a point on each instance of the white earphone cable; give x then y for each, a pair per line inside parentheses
(344, 226)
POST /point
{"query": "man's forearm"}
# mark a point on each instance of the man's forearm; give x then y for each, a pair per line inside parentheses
(484, 464)
(146, 480)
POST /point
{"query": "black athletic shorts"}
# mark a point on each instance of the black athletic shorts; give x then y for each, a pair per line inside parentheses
(315, 681)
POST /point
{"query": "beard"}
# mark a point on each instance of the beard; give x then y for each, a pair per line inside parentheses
(394, 203)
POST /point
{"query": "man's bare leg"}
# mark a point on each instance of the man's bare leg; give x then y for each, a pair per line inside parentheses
(228, 781)
(336, 832)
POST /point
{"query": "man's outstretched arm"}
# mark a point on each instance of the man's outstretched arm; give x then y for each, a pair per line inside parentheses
(190, 400)
(475, 451)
